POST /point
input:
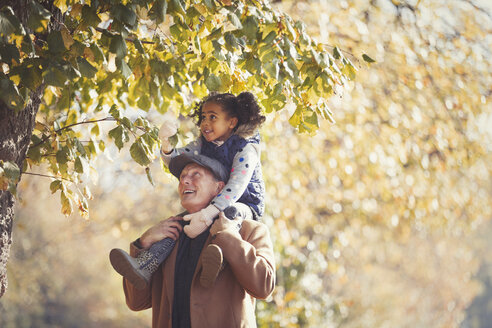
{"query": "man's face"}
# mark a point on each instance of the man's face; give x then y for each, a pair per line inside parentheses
(197, 187)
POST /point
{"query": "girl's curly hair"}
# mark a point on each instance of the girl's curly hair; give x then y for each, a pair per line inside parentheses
(242, 106)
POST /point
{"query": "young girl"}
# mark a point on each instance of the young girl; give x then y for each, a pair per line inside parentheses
(229, 133)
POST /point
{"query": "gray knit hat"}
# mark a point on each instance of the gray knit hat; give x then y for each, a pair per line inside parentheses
(178, 163)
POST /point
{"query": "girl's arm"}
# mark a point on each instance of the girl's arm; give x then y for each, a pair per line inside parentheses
(192, 148)
(243, 166)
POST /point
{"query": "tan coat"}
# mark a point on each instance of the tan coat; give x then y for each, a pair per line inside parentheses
(249, 274)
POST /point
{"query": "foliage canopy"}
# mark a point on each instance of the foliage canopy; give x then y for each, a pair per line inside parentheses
(101, 60)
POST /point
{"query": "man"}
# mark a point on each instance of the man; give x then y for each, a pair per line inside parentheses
(175, 295)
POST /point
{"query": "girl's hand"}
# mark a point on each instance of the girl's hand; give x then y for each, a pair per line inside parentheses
(200, 220)
(166, 228)
(169, 127)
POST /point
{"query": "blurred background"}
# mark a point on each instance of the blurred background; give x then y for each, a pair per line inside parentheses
(379, 220)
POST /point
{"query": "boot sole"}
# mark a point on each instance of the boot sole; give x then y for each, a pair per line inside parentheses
(120, 262)
(211, 264)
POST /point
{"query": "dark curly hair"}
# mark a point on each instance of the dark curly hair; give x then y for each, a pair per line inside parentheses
(242, 106)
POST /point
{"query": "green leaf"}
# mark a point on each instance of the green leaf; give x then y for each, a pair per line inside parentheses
(119, 135)
(9, 93)
(31, 76)
(138, 45)
(235, 20)
(349, 70)
(124, 14)
(118, 46)
(336, 53)
(125, 121)
(368, 59)
(27, 46)
(144, 103)
(139, 154)
(34, 154)
(95, 130)
(9, 24)
(11, 171)
(213, 82)
(70, 72)
(97, 52)
(56, 185)
(8, 53)
(291, 49)
(62, 155)
(89, 16)
(66, 204)
(250, 28)
(54, 76)
(177, 6)
(124, 68)
(79, 146)
(295, 119)
(79, 168)
(38, 17)
(215, 34)
(231, 41)
(174, 140)
(149, 176)
(175, 30)
(312, 120)
(290, 29)
(272, 68)
(253, 65)
(113, 111)
(327, 113)
(270, 37)
(196, 42)
(158, 11)
(85, 68)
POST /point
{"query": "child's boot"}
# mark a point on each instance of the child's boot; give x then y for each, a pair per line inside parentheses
(212, 259)
(212, 263)
(138, 270)
(133, 269)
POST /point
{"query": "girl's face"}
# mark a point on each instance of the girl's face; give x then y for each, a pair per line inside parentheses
(216, 124)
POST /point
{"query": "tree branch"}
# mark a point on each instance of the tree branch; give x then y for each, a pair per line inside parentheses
(71, 125)
(102, 30)
(46, 176)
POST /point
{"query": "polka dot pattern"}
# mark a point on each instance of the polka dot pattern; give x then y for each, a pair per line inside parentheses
(236, 154)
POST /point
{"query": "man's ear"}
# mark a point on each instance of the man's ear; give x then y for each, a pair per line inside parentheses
(220, 186)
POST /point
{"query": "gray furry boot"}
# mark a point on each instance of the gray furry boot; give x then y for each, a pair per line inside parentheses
(138, 270)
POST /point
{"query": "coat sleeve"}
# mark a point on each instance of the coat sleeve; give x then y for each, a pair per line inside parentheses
(250, 255)
(193, 147)
(136, 299)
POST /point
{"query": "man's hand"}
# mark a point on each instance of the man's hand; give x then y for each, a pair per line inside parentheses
(223, 223)
(166, 228)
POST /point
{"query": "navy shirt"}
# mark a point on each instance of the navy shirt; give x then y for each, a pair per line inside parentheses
(189, 251)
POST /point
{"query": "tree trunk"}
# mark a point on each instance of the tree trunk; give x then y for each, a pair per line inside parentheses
(15, 136)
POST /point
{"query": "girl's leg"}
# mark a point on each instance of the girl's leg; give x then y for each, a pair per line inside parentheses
(239, 210)
(213, 260)
(139, 270)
